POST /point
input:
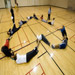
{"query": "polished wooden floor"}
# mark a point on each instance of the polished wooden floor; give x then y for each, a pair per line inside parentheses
(48, 61)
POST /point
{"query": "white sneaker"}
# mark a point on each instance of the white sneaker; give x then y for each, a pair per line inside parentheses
(39, 37)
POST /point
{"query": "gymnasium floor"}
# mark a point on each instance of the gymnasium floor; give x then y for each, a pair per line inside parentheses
(48, 61)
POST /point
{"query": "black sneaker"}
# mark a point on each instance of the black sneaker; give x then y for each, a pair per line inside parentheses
(36, 49)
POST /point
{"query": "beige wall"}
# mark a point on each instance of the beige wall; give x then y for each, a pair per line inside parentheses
(31, 2)
(71, 4)
(2, 4)
(59, 3)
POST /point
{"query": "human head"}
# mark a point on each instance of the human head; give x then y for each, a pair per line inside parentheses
(53, 18)
(42, 15)
(8, 33)
(50, 7)
(62, 25)
(34, 14)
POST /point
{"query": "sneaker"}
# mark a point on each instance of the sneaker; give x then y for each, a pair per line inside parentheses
(20, 23)
(39, 37)
(36, 49)
(53, 46)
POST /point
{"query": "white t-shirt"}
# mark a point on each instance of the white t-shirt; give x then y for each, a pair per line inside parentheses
(21, 59)
(52, 22)
(28, 18)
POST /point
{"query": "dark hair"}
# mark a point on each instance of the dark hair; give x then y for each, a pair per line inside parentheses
(6, 51)
(34, 15)
(9, 31)
(67, 38)
(53, 18)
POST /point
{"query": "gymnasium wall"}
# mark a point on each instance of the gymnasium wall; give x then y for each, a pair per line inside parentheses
(2, 4)
(59, 3)
(31, 2)
(71, 4)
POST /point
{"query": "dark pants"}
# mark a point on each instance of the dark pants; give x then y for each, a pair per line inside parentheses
(35, 17)
(31, 17)
(12, 13)
(24, 22)
(49, 23)
(31, 54)
(48, 16)
(15, 29)
(64, 33)
(13, 19)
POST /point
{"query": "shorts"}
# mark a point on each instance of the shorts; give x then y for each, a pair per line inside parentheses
(49, 23)
(62, 46)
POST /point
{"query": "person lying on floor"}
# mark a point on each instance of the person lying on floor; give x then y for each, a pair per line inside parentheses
(35, 17)
(43, 19)
(29, 17)
(51, 23)
(6, 50)
(62, 45)
(22, 22)
(63, 31)
(24, 58)
(13, 30)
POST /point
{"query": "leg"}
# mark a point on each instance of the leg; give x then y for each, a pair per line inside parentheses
(65, 33)
(35, 17)
(31, 17)
(31, 54)
(14, 28)
(13, 20)
(17, 29)
(48, 16)
(12, 13)
(55, 46)
(24, 22)
(49, 23)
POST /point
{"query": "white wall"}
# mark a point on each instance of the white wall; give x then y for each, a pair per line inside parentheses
(59, 3)
(2, 4)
